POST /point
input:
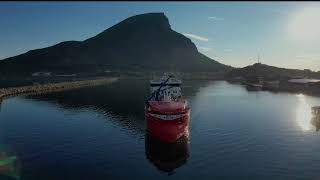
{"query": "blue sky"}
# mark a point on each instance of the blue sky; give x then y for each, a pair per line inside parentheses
(285, 34)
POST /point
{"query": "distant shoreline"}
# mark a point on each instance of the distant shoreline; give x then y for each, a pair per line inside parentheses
(50, 87)
(183, 76)
(54, 87)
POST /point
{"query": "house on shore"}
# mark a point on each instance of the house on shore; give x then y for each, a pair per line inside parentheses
(41, 74)
(302, 85)
(41, 77)
(66, 75)
(304, 82)
(272, 85)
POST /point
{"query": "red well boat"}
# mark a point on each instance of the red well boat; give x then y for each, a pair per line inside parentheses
(166, 111)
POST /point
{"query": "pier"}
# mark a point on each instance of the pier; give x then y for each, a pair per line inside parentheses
(53, 87)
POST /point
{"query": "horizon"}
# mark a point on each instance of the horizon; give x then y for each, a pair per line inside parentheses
(283, 34)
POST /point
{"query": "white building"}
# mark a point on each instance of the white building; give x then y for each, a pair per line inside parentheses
(41, 74)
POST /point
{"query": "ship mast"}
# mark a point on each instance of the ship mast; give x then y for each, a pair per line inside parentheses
(156, 92)
(259, 77)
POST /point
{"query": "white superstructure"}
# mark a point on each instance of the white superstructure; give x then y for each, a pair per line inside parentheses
(170, 88)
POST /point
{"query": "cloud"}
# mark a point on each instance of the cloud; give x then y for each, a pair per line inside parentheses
(214, 18)
(193, 36)
(309, 61)
(227, 50)
(308, 57)
(279, 11)
(205, 48)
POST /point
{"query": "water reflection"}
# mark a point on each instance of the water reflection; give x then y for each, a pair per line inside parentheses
(123, 100)
(1, 103)
(316, 123)
(9, 168)
(167, 156)
(316, 117)
(229, 126)
(303, 113)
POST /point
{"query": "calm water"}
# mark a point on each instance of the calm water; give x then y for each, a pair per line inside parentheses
(99, 133)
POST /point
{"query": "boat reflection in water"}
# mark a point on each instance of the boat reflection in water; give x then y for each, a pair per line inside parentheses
(167, 156)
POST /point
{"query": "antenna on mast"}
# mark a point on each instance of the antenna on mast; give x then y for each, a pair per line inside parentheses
(258, 58)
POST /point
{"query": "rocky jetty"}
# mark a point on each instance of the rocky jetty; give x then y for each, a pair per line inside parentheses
(53, 87)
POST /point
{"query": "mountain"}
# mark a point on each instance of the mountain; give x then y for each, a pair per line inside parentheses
(143, 42)
(270, 72)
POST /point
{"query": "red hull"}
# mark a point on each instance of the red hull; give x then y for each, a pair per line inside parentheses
(167, 130)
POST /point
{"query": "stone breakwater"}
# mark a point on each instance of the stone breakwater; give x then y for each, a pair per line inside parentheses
(53, 87)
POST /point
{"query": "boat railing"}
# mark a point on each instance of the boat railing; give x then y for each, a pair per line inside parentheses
(156, 92)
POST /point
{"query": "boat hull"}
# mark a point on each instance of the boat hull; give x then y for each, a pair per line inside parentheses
(158, 125)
